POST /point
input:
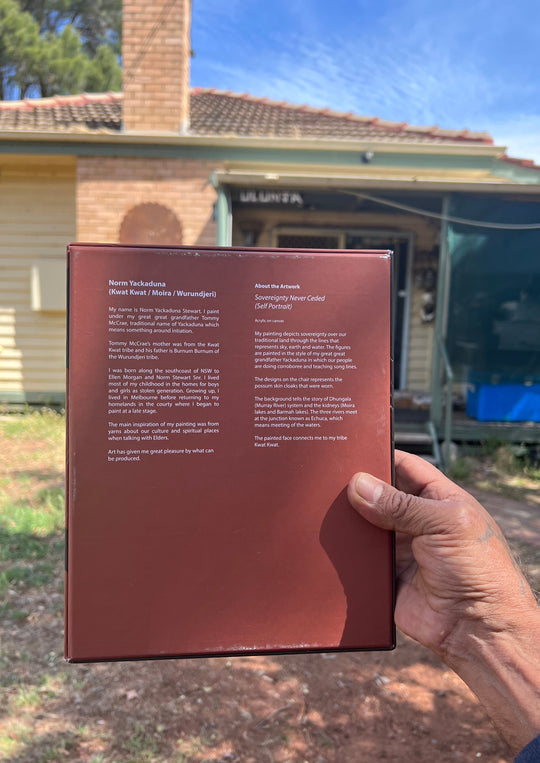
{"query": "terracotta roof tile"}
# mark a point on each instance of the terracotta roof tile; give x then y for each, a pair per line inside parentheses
(70, 113)
(217, 112)
(528, 163)
(222, 113)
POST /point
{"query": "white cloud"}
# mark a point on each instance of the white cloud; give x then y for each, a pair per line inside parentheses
(459, 65)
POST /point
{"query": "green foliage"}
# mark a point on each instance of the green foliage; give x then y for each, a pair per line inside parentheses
(44, 424)
(103, 72)
(50, 47)
(460, 470)
(37, 518)
(30, 540)
(19, 46)
(140, 743)
(32, 506)
(98, 22)
(513, 459)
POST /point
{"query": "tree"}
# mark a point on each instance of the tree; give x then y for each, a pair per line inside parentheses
(98, 22)
(50, 47)
(19, 41)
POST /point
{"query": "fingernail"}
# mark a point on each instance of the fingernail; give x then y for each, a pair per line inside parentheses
(368, 488)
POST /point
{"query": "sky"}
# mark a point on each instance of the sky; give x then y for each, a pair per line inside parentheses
(453, 63)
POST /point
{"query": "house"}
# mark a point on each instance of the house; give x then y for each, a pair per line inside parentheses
(163, 163)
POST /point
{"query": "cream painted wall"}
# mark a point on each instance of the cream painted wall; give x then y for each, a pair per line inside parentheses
(37, 221)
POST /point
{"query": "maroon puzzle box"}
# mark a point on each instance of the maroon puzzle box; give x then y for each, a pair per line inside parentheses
(218, 402)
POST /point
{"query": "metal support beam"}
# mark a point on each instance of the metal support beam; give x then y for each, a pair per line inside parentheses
(224, 216)
(441, 316)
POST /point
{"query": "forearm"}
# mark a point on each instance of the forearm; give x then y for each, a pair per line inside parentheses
(460, 593)
(503, 669)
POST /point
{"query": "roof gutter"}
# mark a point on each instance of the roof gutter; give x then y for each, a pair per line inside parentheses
(341, 182)
(312, 144)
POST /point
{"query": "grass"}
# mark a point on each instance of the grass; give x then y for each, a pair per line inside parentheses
(31, 553)
(31, 502)
(43, 424)
(511, 470)
(140, 744)
(131, 713)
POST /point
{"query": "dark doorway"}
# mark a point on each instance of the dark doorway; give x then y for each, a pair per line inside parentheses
(400, 246)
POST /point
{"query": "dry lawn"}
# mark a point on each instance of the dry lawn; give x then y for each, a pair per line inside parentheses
(323, 708)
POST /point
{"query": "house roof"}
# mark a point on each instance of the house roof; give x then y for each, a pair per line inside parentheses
(219, 113)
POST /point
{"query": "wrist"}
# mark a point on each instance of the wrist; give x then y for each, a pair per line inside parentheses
(501, 665)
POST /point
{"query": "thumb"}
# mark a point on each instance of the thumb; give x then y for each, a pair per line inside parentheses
(389, 508)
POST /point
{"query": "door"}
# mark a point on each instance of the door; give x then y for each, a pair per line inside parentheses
(400, 246)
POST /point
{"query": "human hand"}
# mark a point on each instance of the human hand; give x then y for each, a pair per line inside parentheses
(459, 590)
(453, 563)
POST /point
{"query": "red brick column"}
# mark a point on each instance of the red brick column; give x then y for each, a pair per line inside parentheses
(108, 188)
(156, 54)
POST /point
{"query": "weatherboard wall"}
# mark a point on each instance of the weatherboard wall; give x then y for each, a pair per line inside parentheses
(37, 220)
(46, 202)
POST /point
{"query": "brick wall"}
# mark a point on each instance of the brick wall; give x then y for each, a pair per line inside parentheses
(108, 188)
(156, 64)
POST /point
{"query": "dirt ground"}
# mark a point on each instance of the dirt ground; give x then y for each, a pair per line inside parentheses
(320, 708)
